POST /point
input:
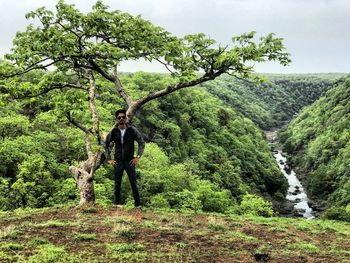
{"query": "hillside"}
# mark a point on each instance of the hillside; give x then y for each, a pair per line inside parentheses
(95, 234)
(318, 141)
(275, 102)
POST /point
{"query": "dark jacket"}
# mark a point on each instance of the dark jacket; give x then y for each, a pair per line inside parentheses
(125, 150)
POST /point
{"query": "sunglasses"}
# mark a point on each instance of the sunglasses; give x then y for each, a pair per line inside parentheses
(121, 117)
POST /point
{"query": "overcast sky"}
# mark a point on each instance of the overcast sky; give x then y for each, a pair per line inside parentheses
(315, 32)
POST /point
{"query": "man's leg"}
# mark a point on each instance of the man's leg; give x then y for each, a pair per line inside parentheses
(130, 170)
(118, 175)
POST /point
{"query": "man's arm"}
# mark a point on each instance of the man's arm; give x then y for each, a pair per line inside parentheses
(140, 141)
(107, 145)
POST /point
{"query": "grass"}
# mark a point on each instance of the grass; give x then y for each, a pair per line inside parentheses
(124, 230)
(133, 252)
(9, 231)
(241, 236)
(54, 224)
(37, 241)
(129, 235)
(11, 247)
(85, 237)
(303, 248)
(125, 247)
(216, 224)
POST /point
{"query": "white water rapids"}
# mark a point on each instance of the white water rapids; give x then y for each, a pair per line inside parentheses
(296, 193)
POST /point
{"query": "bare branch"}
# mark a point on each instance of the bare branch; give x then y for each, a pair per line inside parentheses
(96, 67)
(166, 65)
(240, 78)
(49, 89)
(78, 125)
(206, 77)
(93, 108)
(120, 87)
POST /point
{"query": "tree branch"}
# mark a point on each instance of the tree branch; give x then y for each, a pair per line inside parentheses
(49, 89)
(120, 87)
(104, 74)
(206, 77)
(165, 64)
(78, 125)
(93, 108)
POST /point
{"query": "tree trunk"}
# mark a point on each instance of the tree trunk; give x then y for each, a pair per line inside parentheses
(84, 173)
(84, 177)
(85, 184)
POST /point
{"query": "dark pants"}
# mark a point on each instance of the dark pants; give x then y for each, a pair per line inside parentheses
(118, 174)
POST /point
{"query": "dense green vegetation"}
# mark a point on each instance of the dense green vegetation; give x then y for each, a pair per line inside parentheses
(275, 102)
(60, 86)
(83, 52)
(318, 141)
(201, 154)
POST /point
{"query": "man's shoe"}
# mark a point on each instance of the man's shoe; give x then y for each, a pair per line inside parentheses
(138, 207)
(118, 206)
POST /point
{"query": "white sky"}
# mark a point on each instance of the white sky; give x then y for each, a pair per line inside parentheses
(315, 32)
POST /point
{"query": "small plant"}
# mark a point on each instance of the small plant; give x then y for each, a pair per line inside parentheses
(216, 224)
(242, 236)
(125, 247)
(125, 219)
(256, 206)
(85, 237)
(37, 241)
(150, 224)
(90, 210)
(164, 219)
(54, 224)
(123, 230)
(5, 258)
(8, 232)
(305, 247)
(128, 252)
(11, 246)
(48, 253)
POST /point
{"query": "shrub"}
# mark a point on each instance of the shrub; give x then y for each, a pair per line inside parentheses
(337, 213)
(255, 205)
(159, 201)
(212, 200)
(184, 200)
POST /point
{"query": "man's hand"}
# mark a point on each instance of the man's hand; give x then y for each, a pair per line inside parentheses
(112, 162)
(134, 161)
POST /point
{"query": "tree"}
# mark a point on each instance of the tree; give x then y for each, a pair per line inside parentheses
(78, 48)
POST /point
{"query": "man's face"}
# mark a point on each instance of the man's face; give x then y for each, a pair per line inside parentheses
(121, 119)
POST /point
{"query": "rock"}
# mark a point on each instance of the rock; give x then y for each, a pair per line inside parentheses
(284, 208)
(317, 207)
(298, 212)
(296, 191)
(261, 257)
(287, 169)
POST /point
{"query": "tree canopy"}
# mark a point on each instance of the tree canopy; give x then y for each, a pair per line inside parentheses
(100, 40)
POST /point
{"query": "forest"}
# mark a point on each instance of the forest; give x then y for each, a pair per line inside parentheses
(183, 132)
(317, 141)
(275, 102)
(202, 153)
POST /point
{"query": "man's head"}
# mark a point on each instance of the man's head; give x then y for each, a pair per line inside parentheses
(121, 116)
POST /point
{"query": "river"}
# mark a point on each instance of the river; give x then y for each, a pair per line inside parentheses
(296, 192)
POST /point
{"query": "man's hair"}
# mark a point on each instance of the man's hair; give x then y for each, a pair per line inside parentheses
(120, 111)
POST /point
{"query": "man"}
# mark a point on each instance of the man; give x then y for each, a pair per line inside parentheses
(124, 136)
